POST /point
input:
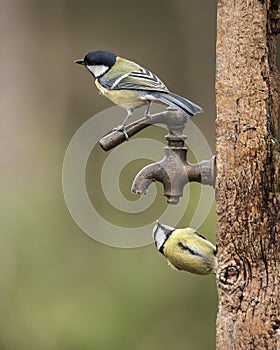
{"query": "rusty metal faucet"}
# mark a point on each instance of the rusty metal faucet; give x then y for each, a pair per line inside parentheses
(173, 171)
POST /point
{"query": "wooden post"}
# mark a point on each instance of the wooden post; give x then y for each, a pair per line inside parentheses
(248, 173)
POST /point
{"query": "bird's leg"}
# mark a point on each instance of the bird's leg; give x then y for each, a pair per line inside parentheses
(129, 114)
(122, 126)
(147, 111)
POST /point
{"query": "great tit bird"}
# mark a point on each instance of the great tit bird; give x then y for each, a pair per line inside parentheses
(185, 249)
(130, 86)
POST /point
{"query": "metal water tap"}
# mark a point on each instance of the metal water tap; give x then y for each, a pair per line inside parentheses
(173, 171)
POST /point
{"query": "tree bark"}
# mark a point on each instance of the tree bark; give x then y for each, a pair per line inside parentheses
(248, 175)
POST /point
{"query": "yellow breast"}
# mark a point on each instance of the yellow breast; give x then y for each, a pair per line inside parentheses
(123, 98)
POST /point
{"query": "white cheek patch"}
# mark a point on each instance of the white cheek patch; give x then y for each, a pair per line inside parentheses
(161, 234)
(99, 70)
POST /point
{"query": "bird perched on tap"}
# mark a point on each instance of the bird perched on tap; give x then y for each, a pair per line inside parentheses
(185, 249)
(131, 86)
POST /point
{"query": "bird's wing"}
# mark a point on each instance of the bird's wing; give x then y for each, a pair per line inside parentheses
(141, 79)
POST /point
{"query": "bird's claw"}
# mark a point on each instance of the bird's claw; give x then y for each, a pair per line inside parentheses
(148, 115)
(121, 128)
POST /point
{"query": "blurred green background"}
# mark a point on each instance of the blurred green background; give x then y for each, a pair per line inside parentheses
(60, 289)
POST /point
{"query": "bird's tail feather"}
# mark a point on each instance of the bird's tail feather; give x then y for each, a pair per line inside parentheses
(182, 104)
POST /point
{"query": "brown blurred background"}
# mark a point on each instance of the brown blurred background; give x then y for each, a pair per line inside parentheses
(59, 289)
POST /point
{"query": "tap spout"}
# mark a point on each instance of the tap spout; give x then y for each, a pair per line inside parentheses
(174, 172)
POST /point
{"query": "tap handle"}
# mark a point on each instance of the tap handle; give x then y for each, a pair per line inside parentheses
(170, 117)
(117, 137)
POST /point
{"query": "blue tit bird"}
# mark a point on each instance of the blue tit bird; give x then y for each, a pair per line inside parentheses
(130, 86)
(186, 249)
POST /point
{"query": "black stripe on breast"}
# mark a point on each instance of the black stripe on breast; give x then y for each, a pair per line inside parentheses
(188, 249)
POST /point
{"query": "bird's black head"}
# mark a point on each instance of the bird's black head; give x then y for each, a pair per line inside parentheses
(98, 62)
(100, 57)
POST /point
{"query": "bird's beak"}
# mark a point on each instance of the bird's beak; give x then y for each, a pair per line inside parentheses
(160, 234)
(80, 61)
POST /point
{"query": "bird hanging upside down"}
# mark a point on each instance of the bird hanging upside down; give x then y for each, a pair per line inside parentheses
(186, 249)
